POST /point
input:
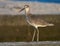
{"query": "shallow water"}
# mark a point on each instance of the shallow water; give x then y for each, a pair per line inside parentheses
(15, 28)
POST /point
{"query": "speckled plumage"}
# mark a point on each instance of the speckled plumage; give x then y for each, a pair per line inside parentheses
(35, 21)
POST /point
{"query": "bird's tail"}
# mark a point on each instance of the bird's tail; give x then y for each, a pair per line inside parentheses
(50, 24)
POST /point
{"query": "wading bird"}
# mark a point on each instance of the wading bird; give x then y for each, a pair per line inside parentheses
(35, 22)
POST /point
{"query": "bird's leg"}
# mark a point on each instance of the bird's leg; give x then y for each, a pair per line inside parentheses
(37, 34)
(33, 35)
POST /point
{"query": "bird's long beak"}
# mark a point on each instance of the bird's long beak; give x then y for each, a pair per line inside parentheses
(22, 9)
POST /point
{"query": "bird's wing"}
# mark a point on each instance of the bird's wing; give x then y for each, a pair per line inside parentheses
(37, 20)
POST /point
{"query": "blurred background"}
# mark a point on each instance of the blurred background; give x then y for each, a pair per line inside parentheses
(13, 25)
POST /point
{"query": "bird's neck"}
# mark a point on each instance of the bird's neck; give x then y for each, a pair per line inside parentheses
(27, 11)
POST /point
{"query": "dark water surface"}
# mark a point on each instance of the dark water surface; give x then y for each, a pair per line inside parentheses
(15, 28)
(45, 1)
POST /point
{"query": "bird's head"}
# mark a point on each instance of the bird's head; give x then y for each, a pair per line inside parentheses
(25, 7)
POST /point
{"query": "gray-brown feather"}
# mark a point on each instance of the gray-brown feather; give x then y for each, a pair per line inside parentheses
(36, 20)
